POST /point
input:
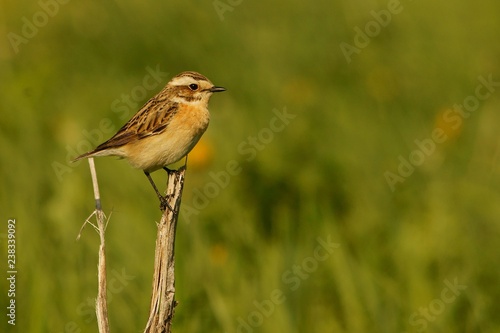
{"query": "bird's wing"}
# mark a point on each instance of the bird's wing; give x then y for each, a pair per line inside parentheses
(152, 119)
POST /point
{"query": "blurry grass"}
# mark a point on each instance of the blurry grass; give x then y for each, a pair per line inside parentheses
(321, 176)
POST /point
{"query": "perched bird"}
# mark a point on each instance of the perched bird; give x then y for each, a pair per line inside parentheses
(165, 129)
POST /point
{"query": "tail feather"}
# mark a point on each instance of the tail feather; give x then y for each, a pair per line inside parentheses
(100, 152)
(87, 154)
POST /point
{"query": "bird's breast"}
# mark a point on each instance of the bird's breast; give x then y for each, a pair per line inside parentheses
(180, 136)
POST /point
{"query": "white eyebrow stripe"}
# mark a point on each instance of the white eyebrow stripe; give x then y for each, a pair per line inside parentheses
(182, 81)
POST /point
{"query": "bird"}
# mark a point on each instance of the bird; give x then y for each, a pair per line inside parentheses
(165, 129)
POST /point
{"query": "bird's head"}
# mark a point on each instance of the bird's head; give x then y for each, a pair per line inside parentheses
(192, 87)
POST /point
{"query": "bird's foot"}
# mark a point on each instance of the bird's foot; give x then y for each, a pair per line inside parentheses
(164, 204)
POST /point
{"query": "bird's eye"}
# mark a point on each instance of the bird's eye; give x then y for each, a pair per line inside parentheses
(193, 86)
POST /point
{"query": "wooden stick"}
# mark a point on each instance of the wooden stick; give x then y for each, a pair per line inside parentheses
(163, 295)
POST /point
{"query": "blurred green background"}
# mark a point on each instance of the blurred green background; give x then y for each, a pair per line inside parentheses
(412, 254)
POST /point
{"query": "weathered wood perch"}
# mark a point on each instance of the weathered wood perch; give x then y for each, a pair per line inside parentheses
(163, 295)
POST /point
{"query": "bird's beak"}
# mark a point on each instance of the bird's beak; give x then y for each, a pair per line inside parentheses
(217, 89)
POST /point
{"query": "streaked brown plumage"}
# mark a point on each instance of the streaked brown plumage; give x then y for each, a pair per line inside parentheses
(166, 128)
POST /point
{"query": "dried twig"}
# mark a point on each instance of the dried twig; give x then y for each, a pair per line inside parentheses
(101, 305)
(163, 295)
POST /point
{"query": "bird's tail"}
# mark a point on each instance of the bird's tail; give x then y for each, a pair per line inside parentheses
(101, 151)
(86, 155)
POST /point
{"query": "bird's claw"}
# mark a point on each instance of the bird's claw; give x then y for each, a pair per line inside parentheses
(164, 204)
